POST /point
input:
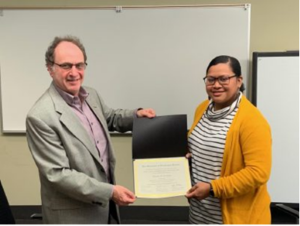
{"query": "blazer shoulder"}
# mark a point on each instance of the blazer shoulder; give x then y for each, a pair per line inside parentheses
(90, 90)
(94, 96)
(41, 105)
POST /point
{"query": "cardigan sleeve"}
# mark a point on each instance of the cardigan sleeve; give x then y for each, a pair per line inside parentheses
(247, 155)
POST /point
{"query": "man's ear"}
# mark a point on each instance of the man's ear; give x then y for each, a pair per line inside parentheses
(50, 70)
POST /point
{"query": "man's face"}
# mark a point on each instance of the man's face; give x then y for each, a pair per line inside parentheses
(69, 80)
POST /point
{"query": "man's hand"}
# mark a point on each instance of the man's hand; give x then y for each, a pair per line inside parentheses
(122, 196)
(149, 113)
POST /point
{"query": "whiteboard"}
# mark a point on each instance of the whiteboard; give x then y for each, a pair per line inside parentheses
(137, 57)
(276, 80)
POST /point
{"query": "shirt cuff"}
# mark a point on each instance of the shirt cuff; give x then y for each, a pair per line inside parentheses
(112, 191)
(135, 112)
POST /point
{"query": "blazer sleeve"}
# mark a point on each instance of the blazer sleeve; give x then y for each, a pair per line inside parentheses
(120, 120)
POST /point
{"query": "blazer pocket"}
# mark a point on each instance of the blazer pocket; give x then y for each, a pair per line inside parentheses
(62, 203)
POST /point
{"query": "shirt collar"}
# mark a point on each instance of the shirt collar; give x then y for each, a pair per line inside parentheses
(71, 99)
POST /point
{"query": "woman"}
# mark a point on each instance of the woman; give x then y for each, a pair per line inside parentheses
(230, 146)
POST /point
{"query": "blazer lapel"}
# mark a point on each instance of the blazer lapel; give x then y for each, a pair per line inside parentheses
(72, 123)
(97, 111)
(95, 106)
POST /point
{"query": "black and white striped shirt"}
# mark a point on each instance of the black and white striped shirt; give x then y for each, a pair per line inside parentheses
(207, 143)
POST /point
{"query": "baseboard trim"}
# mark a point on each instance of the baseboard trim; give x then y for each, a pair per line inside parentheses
(155, 213)
(25, 212)
(151, 213)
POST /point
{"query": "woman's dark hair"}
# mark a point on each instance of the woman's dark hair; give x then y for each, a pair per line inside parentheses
(233, 63)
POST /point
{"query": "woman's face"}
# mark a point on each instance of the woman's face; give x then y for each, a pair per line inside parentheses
(223, 95)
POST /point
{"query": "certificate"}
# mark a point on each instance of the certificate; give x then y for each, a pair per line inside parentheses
(161, 177)
(159, 146)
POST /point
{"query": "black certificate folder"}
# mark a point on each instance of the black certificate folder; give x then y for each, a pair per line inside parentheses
(159, 137)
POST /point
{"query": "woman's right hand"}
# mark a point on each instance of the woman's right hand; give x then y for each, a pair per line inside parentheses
(188, 155)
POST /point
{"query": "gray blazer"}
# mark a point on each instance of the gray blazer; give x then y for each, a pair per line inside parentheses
(74, 186)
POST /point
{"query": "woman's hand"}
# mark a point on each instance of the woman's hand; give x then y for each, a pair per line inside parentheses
(199, 191)
(188, 155)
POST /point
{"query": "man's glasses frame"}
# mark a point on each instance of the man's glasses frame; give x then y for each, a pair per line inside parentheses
(68, 66)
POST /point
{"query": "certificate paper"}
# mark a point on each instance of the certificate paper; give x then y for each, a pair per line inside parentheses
(161, 177)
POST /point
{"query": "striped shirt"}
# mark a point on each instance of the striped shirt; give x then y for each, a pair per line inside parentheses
(206, 143)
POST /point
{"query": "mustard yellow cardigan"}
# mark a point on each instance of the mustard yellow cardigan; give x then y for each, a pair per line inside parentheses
(246, 167)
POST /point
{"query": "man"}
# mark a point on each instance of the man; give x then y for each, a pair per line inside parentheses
(68, 136)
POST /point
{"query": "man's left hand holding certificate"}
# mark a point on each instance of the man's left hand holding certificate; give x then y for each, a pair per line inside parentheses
(159, 146)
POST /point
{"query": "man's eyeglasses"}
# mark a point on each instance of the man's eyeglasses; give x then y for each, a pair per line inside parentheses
(68, 66)
(223, 80)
